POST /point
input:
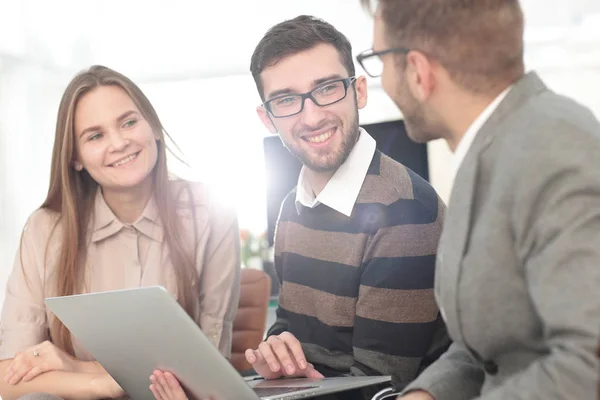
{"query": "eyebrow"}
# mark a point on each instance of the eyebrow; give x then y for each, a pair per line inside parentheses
(316, 82)
(123, 116)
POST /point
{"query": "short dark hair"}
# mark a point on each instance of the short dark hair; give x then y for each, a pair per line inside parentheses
(479, 42)
(293, 36)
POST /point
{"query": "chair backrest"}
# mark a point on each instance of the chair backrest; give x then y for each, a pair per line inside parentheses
(251, 318)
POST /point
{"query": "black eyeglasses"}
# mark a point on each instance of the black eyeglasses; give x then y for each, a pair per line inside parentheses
(323, 95)
(371, 62)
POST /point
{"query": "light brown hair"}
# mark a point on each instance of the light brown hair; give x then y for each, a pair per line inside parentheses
(479, 42)
(71, 196)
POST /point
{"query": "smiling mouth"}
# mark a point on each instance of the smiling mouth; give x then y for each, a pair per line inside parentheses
(125, 160)
(320, 138)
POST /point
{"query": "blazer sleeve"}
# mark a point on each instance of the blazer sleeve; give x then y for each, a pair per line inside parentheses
(454, 376)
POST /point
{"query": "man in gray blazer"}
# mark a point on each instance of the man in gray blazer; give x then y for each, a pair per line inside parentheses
(518, 273)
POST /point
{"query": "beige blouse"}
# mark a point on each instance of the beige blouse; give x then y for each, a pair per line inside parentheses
(124, 256)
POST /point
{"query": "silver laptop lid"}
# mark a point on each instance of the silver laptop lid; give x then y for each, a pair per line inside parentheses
(132, 332)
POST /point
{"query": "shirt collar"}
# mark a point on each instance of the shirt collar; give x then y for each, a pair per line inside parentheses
(105, 223)
(467, 140)
(343, 188)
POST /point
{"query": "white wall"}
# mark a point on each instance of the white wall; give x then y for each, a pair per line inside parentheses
(29, 98)
(39, 52)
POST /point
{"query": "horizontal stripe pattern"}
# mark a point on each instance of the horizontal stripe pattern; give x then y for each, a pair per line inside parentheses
(397, 306)
(338, 247)
(358, 291)
(398, 339)
(394, 241)
(403, 273)
(309, 329)
(338, 360)
(328, 308)
(330, 277)
(405, 240)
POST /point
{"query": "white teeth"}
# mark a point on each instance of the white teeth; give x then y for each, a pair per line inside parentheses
(321, 138)
(125, 160)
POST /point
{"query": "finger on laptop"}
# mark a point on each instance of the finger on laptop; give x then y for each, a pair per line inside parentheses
(269, 356)
(311, 372)
(252, 356)
(174, 387)
(158, 390)
(260, 366)
(158, 385)
(282, 352)
(166, 386)
(155, 392)
(295, 348)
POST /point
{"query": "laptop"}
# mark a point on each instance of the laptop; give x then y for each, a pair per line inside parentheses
(132, 332)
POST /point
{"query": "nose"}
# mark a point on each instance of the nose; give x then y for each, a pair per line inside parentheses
(312, 114)
(117, 141)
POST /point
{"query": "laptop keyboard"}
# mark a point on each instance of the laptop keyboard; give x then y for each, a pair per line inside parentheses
(274, 391)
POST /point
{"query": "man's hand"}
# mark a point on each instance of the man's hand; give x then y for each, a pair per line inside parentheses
(281, 355)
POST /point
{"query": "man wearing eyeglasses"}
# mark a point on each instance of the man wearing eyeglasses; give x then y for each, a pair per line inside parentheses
(518, 275)
(355, 242)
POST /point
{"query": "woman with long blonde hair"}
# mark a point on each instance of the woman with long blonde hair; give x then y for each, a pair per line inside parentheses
(113, 219)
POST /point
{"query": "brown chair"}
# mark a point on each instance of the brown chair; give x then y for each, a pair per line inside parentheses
(251, 318)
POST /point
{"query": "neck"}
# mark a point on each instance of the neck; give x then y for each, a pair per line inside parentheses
(128, 205)
(463, 111)
(318, 180)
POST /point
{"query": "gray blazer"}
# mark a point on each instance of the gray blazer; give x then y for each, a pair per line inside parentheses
(518, 272)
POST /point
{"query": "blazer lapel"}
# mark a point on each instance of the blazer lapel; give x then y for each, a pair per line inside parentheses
(457, 226)
(453, 241)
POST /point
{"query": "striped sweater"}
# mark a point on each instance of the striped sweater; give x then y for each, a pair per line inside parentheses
(357, 291)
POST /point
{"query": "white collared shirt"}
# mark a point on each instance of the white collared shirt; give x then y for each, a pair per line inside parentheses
(342, 190)
(467, 140)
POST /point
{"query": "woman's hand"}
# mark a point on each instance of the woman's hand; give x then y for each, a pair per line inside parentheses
(38, 359)
(166, 387)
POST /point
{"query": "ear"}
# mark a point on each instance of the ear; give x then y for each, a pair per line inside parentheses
(360, 85)
(264, 116)
(420, 75)
(78, 166)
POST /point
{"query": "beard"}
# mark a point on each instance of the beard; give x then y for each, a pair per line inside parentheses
(419, 127)
(324, 160)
